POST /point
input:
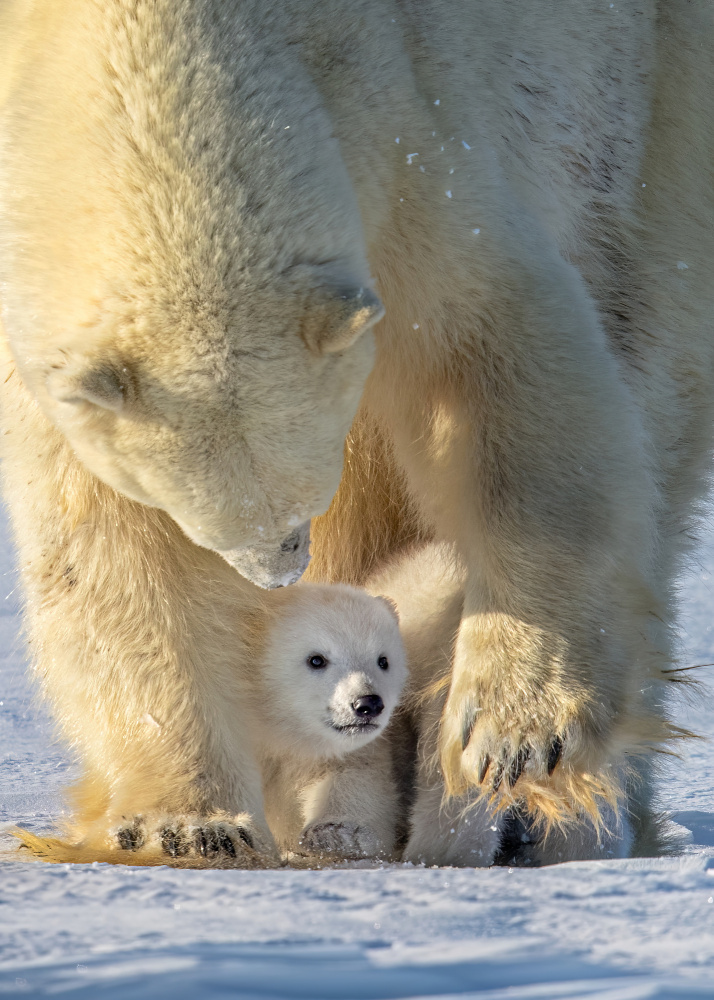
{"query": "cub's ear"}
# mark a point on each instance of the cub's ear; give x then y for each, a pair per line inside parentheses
(99, 383)
(334, 320)
(394, 611)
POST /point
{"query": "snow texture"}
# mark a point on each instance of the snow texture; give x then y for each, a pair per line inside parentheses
(606, 930)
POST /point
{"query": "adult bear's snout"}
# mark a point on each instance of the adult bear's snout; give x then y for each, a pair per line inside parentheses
(274, 564)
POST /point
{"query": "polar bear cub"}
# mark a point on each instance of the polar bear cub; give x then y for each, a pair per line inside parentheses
(333, 668)
(325, 667)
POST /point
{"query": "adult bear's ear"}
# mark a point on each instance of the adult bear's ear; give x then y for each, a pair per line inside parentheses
(334, 319)
(103, 384)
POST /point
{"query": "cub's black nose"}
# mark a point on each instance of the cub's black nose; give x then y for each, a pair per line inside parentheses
(368, 706)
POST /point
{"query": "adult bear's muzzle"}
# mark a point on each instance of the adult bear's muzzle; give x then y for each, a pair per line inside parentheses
(270, 566)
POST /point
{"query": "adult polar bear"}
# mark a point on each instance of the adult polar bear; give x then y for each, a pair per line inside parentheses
(194, 197)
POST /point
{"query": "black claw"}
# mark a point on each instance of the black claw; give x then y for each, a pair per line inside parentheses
(125, 840)
(554, 754)
(130, 838)
(517, 765)
(173, 843)
(498, 775)
(245, 837)
(469, 723)
(483, 767)
(226, 845)
(169, 842)
(207, 843)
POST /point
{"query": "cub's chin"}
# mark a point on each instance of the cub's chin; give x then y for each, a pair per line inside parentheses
(345, 737)
(357, 728)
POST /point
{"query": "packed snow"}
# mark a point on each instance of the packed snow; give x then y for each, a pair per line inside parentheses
(606, 930)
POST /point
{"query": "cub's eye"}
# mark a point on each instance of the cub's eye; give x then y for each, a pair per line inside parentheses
(316, 661)
(383, 663)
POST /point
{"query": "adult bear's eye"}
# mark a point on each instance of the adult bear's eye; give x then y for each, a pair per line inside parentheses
(316, 661)
(383, 662)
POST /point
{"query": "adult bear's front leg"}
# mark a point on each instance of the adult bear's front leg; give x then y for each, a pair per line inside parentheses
(137, 639)
(529, 455)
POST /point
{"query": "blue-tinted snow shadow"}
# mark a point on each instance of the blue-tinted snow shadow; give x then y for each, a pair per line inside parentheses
(323, 972)
(701, 826)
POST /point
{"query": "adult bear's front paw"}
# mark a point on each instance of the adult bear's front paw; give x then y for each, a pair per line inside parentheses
(557, 767)
(339, 840)
(192, 841)
(516, 727)
(219, 842)
(495, 761)
(214, 841)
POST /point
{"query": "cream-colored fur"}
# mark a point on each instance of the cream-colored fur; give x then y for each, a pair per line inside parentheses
(320, 672)
(199, 205)
(427, 586)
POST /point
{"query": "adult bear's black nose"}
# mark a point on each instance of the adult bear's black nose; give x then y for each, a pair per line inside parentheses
(368, 706)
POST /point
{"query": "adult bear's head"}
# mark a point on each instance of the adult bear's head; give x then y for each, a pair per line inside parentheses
(184, 279)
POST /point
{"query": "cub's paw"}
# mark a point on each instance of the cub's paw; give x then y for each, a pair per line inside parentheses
(339, 840)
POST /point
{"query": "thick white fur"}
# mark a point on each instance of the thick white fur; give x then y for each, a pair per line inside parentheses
(470, 830)
(194, 200)
(399, 779)
(326, 791)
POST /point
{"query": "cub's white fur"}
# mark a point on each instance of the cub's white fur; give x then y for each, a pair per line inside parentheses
(325, 671)
(311, 717)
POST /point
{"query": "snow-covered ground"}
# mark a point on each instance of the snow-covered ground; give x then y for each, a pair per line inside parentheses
(608, 930)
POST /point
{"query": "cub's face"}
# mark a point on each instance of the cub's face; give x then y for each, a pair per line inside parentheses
(334, 670)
